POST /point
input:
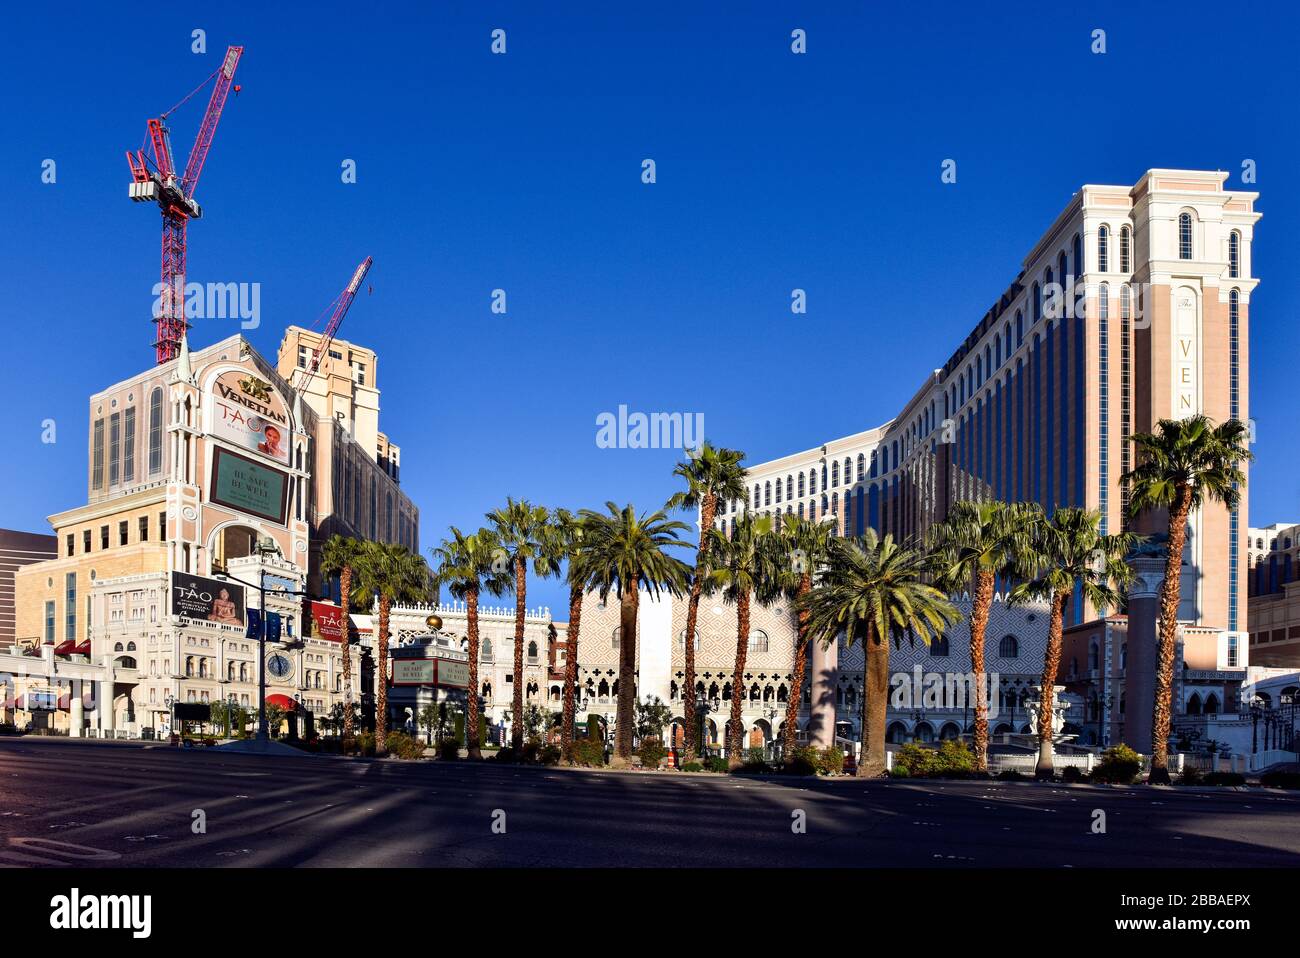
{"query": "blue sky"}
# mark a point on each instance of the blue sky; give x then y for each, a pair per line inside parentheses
(522, 172)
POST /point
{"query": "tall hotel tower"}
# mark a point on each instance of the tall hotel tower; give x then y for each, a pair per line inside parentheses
(1132, 307)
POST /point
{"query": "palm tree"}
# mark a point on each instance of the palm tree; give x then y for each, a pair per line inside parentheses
(339, 557)
(520, 529)
(1181, 465)
(465, 567)
(391, 573)
(626, 553)
(565, 544)
(1070, 553)
(975, 544)
(713, 476)
(801, 548)
(742, 568)
(872, 590)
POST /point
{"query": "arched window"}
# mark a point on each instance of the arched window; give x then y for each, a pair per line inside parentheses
(801, 486)
(1093, 654)
(1103, 249)
(532, 651)
(155, 430)
(789, 487)
(119, 647)
(1194, 704)
(939, 646)
(1038, 302)
(1125, 250)
(1234, 254)
(1020, 328)
(757, 641)
(778, 491)
(1009, 647)
(835, 474)
(617, 637)
(485, 649)
(1184, 235)
(1212, 704)
(862, 467)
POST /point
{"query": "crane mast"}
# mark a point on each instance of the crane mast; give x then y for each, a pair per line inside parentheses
(175, 198)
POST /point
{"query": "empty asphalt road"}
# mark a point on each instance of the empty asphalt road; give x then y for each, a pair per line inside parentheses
(87, 804)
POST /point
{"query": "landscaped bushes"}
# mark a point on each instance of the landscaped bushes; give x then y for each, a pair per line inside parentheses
(1119, 765)
(652, 752)
(588, 751)
(810, 760)
(401, 745)
(1280, 779)
(953, 759)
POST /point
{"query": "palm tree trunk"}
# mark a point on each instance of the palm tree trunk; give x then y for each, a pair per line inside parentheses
(345, 588)
(875, 703)
(571, 670)
(708, 509)
(624, 711)
(381, 679)
(1170, 595)
(517, 704)
(800, 673)
(471, 697)
(979, 622)
(736, 726)
(1051, 665)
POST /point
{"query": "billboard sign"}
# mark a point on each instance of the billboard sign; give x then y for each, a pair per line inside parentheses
(249, 413)
(245, 485)
(445, 673)
(209, 600)
(326, 622)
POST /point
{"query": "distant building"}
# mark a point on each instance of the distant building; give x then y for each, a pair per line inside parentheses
(1273, 601)
(18, 549)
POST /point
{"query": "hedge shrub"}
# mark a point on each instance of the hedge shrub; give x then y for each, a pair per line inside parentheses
(1119, 765)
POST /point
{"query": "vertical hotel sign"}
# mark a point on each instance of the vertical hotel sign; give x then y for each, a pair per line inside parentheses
(1186, 372)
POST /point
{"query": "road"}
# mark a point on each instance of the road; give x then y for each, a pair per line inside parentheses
(115, 804)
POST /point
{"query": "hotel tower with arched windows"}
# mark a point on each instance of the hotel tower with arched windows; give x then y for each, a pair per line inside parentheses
(207, 476)
(1132, 307)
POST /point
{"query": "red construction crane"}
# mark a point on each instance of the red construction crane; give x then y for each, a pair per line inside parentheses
(339, 309)
(157, 182)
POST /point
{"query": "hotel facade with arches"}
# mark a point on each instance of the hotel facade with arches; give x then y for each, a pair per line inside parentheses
(1132, 307)
(207, 477)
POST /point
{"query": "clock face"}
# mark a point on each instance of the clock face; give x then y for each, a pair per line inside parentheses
(279, 665)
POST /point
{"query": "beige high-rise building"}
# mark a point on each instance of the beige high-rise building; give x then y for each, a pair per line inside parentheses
(1133, 306)
(208, 477)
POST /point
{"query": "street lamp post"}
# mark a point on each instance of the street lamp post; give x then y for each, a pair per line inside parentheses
(230, 715)
(171, 711)
(702, 710)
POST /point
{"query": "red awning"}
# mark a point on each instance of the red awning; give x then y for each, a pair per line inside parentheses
(83, 648)
(66, 648)
(283, 701)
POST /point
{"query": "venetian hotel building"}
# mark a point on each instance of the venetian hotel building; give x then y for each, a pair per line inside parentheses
(1039, 400)
(203, 473)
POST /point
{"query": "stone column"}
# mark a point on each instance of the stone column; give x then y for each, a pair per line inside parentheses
(77, 709)
(104, 691)
(1143, 652)
(823, 681)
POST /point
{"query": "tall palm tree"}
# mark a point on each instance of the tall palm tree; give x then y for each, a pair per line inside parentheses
(1069, 554)
(977, 543)
(801, 548)
(1179, 466)
(339, 557)
(627, 553)
(741, 570)
(713, 476)
(520, 529)
(391, 573)
(465, 567)
(873, 590)
(565, 544)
